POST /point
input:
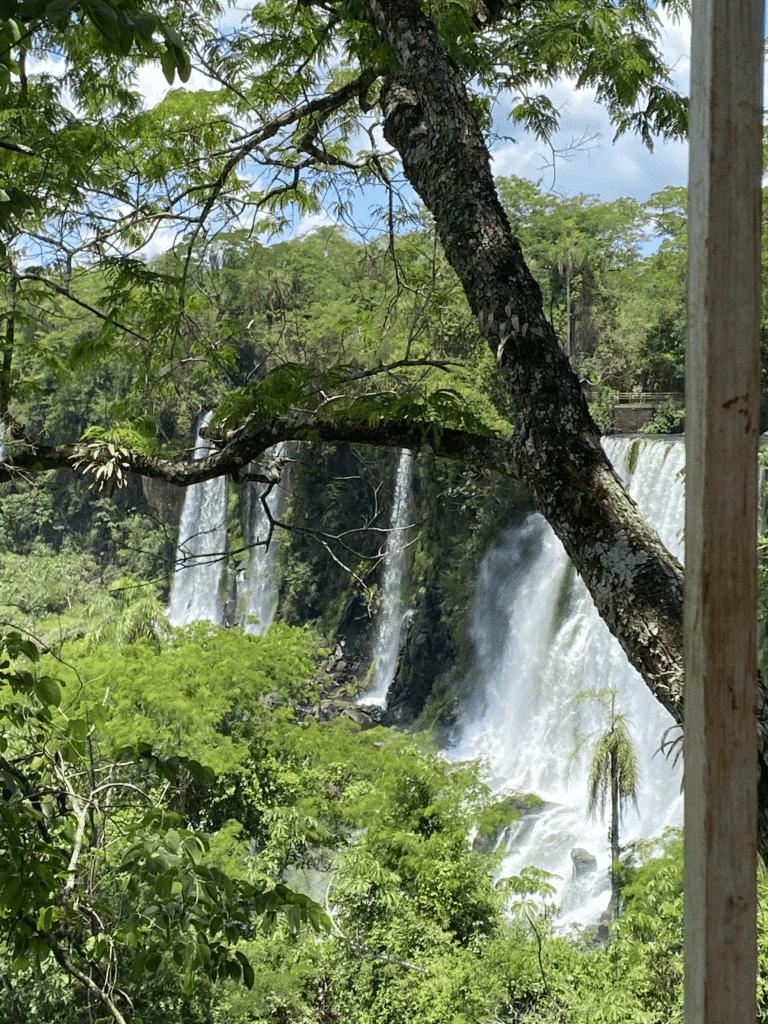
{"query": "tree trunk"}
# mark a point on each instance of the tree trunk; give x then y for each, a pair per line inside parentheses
(636, 584)
(615, 848)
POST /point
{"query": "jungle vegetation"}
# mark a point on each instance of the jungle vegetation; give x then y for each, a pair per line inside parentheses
(147, 832)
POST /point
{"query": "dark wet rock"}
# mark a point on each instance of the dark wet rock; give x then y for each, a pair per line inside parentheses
(583, 862)
(427, 653)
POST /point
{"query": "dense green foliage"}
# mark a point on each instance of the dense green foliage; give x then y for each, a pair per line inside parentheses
(148, 826)
(167, 796)
(333, 324)
(214, 731)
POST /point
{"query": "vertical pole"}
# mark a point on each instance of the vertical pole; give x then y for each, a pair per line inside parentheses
(722, 385)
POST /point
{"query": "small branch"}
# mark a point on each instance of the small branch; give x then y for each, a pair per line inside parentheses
(66, 965)
(320, 540)
(83, 305)
(79, 810)
(322, 104)
(538, 951)
(16, 147)
(359, 947)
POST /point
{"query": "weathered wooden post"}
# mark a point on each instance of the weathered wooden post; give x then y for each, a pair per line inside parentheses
(722, 384)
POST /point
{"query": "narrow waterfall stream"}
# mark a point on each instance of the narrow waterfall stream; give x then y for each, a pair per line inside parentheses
(391, 616)
(539, 641)
(196, 589)
(257, 584)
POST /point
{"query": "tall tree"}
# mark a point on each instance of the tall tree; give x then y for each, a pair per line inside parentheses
(290, 92)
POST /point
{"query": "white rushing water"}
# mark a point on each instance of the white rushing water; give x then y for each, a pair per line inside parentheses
(196, 589)
(391, 616)
(539, 641)
(257, 582)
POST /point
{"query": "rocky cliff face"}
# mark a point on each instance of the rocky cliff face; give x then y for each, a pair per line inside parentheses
(427, 652)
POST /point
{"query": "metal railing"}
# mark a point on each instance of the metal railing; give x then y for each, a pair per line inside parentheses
(646, 397)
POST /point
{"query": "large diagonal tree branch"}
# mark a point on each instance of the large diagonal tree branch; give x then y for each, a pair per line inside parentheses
(635, 582)
(250, 441)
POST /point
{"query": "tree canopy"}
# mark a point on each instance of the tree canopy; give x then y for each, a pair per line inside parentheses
(302, 105)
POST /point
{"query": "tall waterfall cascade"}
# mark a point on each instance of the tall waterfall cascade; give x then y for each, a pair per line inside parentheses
(196, 589)
(199, 587)
(391, 616)
(539, 641)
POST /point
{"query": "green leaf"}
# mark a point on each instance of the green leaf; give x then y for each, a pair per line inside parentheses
(164, 885)
(249, 976)
(168, 64)
(59, 10)
(183, 64)
(248, 973)
(19, 647)
(146, 25)
(139, 963)
(78, 729)
(194, 849)
(293, 915)
(153, 961)
(48, 690)
(10, 892)
(106, 21)
(201, 774)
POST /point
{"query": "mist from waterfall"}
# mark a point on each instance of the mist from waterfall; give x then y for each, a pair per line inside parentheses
(257, 582)
(539, 641)
(196, 589)
(391, 616)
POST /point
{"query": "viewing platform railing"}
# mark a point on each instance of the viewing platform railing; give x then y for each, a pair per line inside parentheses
(646, 397)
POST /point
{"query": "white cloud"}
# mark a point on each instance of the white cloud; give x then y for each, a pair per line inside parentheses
(50, 64)
(154, 87)
(308, 223)
(603, 167)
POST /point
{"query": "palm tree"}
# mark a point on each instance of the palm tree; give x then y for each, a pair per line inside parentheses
(613, 770)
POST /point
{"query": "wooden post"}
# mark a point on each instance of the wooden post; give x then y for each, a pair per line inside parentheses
(722, 385)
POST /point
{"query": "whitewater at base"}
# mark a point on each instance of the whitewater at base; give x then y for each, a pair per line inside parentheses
(539, 641)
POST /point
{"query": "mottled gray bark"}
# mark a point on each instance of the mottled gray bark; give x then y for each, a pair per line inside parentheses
(636, 583)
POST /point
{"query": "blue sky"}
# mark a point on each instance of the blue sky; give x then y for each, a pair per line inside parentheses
(598, 167)
(606, 169)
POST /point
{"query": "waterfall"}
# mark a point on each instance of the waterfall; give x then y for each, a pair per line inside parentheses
(257, 585)
(391, 616)
(196, 589)
(539, 641)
